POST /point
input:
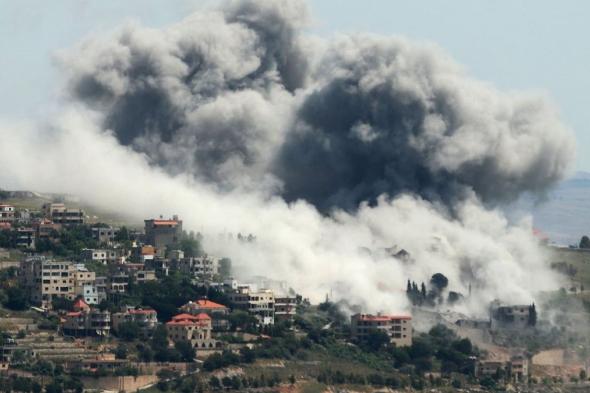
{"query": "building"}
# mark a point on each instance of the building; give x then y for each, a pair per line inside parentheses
(205, 267)
(163, 233)
(47, 279)
(90, 294)
(25, 238)
(512, 317)
(194, 328)
(285, 308)
(46, 229)
(259, 303)
(145, 254)
(489, 368)
(86, 321)
(144, 276)
(104, 235)
(397, 327)
(101, 284)
(7, 213)
(519, 368)
(84, 281)
(145, 318)
(118, 282)
(102, 256)
(60, 214)
(218, 312)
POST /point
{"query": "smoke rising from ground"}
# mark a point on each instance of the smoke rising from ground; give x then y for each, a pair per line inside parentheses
(240, 122)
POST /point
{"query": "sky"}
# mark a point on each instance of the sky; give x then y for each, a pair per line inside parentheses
(527, 44)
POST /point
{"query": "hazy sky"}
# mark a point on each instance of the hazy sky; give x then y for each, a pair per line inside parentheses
(533, 44)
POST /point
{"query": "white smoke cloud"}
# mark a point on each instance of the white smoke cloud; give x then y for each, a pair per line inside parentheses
(215, 117)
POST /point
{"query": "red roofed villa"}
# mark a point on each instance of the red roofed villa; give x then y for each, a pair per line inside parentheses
(194, 328)
(218, 312)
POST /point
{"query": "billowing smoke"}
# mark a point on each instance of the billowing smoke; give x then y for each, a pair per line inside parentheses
(335, 153)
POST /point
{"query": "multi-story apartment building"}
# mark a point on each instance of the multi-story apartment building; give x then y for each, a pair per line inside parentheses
(104, 235)
(25, 238)
(218, 312)
(259, 303)
(205, 267)
(102, 285)
(47, 279)
(194, 328)
(145, 318)
(163, 233)
(60, 214)
(285, 308)
(7, 213)
(398, 328)
(85, 284)
(86, 321)
(118, 282)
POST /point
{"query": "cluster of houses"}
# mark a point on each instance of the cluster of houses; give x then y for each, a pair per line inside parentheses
(29, 228)
(154, 253)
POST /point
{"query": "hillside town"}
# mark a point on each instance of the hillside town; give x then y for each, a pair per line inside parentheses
(121, 309)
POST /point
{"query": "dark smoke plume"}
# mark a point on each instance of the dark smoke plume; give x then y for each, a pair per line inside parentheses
(237, 99)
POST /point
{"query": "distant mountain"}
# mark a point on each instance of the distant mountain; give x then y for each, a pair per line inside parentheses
(565, 215)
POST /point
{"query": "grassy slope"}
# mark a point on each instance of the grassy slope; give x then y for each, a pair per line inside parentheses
(580, 260)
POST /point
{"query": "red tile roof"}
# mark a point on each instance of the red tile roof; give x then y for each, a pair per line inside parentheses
(80, 304)
(147, 311)
(204, 303)
(166, 222)
(184, 316)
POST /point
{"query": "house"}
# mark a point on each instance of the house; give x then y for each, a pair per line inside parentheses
(489, 368)
(205, 267)
(101, 284)
(118, 282)
(7, 213)
(146, 318)
(397, 327)
(218, 312)
(86, 321)
(102, 256)
(104, 235)
(85, 284)
(60, 214)
(146, 253)
(25, 238)
(519, 368)
(194, 328)
(46, 229)
(162, 233)
(512, 317)
(259, 303)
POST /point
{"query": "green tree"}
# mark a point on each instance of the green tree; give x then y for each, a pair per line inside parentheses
(16, 299)
(439, 281)
(128, 331)
(214, 383)
(585, 242)
(376, 340)
(186, 350)
(121, 352)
